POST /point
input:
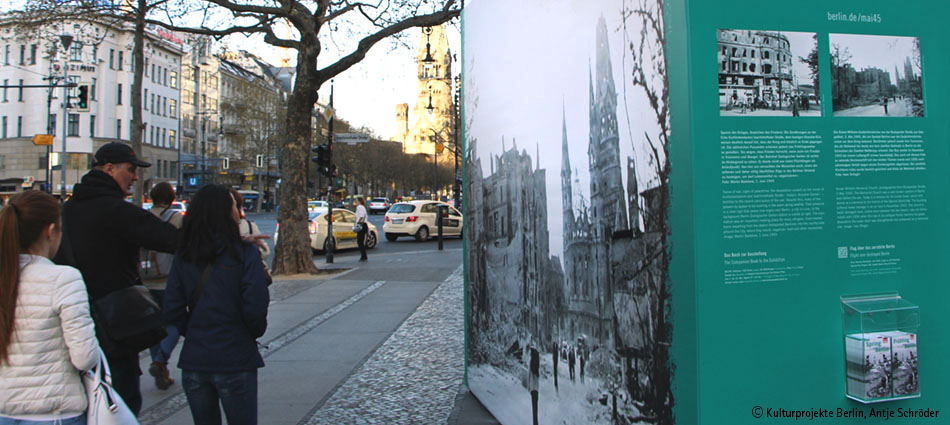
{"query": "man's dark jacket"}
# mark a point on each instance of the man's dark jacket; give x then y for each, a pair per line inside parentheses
(106, 233)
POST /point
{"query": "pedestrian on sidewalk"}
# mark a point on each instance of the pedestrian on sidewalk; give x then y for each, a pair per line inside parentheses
(554, 358)
(534, 373)
(155, 278)
(581, 354)
(885, 106)
(48, 308)
(217, 296)
(102, 237)
(361, 217)
(570, 361)
(248, 227)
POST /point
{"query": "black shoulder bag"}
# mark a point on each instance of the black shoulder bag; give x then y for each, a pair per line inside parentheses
(127, 320)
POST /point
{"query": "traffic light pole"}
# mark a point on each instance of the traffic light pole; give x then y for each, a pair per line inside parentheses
(331, 246)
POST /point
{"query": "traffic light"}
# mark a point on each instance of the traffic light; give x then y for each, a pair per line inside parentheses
(260, 161)
(328, 170)
(82, 98)
(322, 156)
(225, 163)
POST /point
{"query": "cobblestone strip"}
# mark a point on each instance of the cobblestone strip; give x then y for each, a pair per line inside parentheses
(414, 377)
(171, 405)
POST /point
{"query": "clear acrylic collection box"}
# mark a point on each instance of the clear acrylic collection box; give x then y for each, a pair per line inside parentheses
(880, 340)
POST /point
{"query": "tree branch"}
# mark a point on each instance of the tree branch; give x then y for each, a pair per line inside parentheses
(366, 43)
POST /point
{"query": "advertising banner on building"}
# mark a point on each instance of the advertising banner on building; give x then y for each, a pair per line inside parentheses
(677, 210)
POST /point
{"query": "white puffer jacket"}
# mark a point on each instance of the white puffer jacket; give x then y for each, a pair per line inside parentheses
(53, 338)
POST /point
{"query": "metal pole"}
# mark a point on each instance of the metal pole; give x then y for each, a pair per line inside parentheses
(49, 130)
(440, 215)
(66, 40)
(330, 235)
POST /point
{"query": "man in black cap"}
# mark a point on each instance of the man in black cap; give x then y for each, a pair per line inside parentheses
(105, 234)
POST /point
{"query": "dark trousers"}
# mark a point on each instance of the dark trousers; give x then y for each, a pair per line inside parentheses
(534, 406)
(236, 392)
(361, 240)
(125, 379)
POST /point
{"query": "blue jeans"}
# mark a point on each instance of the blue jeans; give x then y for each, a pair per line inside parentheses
(78, 420)
(163, 350)
(236, 392)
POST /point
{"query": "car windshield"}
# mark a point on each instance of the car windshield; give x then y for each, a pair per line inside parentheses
(402, 208)
(314, 215)
(378, 200)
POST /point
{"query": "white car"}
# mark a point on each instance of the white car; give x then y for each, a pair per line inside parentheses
(176, 206)
(343, 233)
(377, 205)
(317, 206)
(417, 219)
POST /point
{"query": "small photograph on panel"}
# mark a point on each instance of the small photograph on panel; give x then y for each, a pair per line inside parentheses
(876, 76)
(768, 73)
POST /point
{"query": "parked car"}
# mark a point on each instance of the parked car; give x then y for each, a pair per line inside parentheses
(317, 206)
(418, 219)
(378, 205)
(344, 236)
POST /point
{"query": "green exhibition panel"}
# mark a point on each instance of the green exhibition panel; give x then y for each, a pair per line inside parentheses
(707, 212)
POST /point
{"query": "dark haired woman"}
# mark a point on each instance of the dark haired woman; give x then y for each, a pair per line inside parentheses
(217, 297)
(48, 308)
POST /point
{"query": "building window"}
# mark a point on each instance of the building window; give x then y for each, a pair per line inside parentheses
(174, 80)
(95, 54)
(92, 89)
(6, 54)
(111, 58)
(52, 124)
(120, 60)
(163, 138)
(171, 138)
(745, 67)
(765, 54)
(752, 67)
(145, 101)
(19, 94)
(118, 93)
(766, 69)
(72, 128)
(153, 72)
(74, 91)
(753, 53)
(92, 126)
(5, 83)
(33, 48)
(165, 77)
(75, 52)
(19, 126)
(23, 54)
(4, 131)
(153, 103)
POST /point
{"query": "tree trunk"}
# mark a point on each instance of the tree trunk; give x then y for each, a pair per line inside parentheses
(138, 129)
(292, 253)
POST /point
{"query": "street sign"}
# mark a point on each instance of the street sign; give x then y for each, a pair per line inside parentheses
(350, 138)
(439, 148)
(43, 139)
(28, 182)
(328, 113)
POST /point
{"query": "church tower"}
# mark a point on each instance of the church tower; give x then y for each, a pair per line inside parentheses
(432, 114)
(402, 122)
(567, 195)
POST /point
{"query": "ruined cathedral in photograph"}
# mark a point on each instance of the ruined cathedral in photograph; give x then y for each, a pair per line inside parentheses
(607, 298)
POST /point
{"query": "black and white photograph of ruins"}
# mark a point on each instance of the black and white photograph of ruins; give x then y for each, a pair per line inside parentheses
(567, 194)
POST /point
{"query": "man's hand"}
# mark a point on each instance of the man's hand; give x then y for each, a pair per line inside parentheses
(257, 239)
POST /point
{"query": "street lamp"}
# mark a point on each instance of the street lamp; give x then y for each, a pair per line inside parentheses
(428, 61)
(430, 108)
(66, 40)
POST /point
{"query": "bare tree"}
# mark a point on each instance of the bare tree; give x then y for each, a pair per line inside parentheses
(314, 24)
(649, 71)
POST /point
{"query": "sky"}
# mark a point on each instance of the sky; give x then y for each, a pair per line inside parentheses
(366, 94)
(523, 75)
(879, 51)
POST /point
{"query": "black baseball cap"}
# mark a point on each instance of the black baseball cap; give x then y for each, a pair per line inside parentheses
(117, 153)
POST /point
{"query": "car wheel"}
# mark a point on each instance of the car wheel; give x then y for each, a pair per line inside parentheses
(370, 241)
(422, 234)
(329, 244)
(391, 237)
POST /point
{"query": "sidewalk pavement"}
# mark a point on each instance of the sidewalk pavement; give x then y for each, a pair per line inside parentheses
(381, 342)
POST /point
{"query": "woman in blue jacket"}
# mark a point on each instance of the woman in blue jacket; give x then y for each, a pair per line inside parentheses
(217, 297)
